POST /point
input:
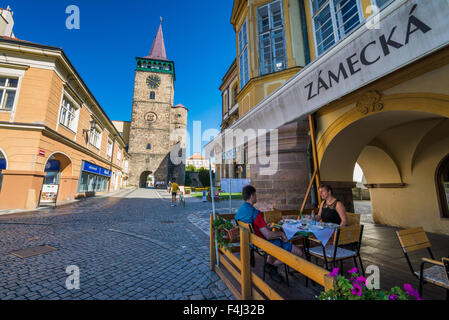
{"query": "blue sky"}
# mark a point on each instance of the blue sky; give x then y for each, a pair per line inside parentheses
(198, 37)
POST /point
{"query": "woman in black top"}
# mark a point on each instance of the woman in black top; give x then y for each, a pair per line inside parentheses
(331, 210)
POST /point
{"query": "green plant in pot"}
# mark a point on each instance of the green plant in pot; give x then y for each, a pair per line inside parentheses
(356, 288)
(224, 231)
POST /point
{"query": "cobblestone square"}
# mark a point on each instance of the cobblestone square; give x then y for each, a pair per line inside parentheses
(122, 249)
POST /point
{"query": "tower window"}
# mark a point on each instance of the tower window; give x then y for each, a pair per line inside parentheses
(149, 146)
(152, 95)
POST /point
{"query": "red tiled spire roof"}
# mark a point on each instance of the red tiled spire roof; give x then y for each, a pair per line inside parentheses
(158, 48)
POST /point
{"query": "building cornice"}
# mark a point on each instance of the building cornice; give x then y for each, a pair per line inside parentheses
(58, 54)
(58, 137)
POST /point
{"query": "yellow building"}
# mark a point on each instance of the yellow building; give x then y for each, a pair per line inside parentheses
(55, 139)
(375, 92)
(270, 50)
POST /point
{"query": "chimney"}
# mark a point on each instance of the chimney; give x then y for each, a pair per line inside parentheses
(7, 23)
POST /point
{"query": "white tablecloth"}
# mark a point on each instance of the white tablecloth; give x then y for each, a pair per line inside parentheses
(322, 235)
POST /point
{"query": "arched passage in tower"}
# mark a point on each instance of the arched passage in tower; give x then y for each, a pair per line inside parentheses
(146, 179)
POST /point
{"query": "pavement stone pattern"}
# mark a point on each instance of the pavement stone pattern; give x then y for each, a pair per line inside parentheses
(364, 208)
(129, 246)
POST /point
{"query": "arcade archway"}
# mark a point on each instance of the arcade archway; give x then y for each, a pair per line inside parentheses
(399, 152)
(54, 186)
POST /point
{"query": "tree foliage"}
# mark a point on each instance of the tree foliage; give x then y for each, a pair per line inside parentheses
(188, 181)
(203, 175)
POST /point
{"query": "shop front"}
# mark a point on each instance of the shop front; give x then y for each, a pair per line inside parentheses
(2, 167)
(93, 179)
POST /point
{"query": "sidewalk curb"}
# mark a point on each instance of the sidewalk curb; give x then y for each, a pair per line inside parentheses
(10, 213)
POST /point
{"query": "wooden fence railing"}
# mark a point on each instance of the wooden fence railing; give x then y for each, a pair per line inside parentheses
(234, 270)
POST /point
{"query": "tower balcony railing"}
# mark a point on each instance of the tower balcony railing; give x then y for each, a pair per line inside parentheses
(160, 66)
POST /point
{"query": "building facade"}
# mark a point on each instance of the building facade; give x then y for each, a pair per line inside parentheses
(158, 128)
(198, 161)
(373, 91)
(56, 142)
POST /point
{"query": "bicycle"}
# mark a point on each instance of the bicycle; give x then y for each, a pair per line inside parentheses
(181, 200)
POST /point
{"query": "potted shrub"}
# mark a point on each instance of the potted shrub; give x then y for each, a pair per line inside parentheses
(225, 232)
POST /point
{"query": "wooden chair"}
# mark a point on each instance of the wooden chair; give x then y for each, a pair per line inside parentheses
(344, 236)
(446, 269)
(352, 219)
(260, 252)
(273, 216)
(415, 239)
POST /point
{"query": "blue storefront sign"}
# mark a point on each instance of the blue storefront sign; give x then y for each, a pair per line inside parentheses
(52, 165)
(92, 168)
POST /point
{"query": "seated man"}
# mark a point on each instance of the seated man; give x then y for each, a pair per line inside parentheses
(248, 214)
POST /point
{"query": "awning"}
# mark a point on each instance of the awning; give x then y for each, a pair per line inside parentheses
(408, 31)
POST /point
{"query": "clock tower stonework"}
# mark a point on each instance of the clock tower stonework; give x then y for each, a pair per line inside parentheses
(158, 128)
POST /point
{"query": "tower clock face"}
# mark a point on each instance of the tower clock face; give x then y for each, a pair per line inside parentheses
(153, 81)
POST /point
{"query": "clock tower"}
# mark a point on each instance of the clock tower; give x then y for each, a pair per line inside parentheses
(158, 128)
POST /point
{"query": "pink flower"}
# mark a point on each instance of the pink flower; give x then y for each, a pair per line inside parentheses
(393, 297)
(411, 292)
(361, 280)
(408, 287)
(353, 270)
(334, 272)
(357, 290)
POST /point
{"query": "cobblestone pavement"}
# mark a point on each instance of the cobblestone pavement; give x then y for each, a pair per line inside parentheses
(365, 210)
(133, 245)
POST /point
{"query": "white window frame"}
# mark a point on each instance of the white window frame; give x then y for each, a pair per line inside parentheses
(109, 148)
(13, 73)
(119, 155)
(95, 134)
(244, 50)
(5, 89)
(336, 31)
(270, 32)
(76, 107)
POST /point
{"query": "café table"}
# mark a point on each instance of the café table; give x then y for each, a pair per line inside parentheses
(296, 229)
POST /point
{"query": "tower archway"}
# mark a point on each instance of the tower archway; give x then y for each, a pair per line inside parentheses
(146, 179)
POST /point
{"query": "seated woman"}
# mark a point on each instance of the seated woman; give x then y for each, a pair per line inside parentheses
(249, 214)
(331, 209)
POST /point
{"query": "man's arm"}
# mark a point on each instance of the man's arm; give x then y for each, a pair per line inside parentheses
(268, 234)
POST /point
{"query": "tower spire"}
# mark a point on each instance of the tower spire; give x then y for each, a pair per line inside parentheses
(158, 47)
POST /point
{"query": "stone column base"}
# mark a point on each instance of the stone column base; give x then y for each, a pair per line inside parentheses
(286, 187)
